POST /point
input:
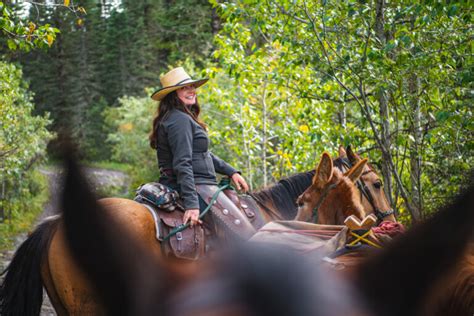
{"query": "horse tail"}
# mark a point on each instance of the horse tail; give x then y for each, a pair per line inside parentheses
(21, 292)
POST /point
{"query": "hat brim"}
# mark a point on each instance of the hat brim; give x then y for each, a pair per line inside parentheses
(159, 94)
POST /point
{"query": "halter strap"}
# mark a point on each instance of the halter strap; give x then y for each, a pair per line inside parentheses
(364, 190)
(325, 193)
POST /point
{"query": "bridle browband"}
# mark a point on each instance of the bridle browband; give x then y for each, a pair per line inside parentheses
(364, 190)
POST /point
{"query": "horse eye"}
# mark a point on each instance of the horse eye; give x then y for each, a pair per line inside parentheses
(299, 203)
(378, 185)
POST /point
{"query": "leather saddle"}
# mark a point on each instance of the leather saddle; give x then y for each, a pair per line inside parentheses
(189, 244)
(237, 214)
(226, 211)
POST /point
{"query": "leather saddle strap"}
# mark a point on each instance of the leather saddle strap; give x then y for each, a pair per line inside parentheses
(225, 212)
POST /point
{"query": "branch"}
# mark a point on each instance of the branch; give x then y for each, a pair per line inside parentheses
(71, 7)
(294, 16)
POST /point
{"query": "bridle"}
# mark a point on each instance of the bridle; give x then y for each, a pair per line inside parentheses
(364, 190)
(314, 216)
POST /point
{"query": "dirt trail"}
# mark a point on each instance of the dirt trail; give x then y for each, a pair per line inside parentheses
(99, 179)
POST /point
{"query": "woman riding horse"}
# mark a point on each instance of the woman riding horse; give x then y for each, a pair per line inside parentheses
(45, 259)
(182, 144)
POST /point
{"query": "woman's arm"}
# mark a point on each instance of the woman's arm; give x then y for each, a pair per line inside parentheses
(222, 167)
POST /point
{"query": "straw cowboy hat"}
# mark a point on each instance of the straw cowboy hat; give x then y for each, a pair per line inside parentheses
(173, 80)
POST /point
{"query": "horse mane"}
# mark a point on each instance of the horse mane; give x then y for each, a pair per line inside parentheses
(284, 193)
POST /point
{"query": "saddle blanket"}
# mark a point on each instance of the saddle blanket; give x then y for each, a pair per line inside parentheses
(320, 240)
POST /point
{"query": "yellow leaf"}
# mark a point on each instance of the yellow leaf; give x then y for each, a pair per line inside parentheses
(66, 3)
(304, 128)
(280, 152)
(79, 22)
(50, 39)
(127, 127)
(31, 27)
(82, 10)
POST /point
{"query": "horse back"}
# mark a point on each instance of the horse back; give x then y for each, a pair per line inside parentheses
(66, 284)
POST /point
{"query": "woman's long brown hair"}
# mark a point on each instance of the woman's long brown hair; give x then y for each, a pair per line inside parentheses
(171, 101)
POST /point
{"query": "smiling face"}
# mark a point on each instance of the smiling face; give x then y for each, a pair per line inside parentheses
(187, 94)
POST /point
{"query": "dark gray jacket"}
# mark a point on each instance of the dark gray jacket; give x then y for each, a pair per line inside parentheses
(184, 158)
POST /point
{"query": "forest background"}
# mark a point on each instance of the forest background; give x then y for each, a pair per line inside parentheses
(289, 80)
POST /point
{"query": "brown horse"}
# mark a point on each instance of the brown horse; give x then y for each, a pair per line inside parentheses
(45, 259)
(331, 187)
(424, 272)
(369, 184)
(400, 280)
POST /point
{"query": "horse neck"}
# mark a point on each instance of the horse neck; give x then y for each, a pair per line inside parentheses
(278, 201)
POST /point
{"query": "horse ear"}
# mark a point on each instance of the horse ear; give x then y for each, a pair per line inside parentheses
(342, 152)
(324, 172)
(353, 157)
(355, 172)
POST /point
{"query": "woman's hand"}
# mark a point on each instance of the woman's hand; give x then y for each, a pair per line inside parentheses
(192, 215)
(239, 182)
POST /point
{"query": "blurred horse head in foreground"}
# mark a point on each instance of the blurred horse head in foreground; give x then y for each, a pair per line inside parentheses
(408, 277)
(427, 271)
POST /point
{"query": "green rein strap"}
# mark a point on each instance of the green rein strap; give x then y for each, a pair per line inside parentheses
(182, 227)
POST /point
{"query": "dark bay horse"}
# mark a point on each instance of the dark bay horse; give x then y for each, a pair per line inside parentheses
(44, 259)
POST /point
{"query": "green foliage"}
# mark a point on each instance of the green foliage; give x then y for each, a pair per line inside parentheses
(23, 136)
(24, 35)
(24, 202)
(130, 124)
(114, 51)
(23, 139)
(398, 84)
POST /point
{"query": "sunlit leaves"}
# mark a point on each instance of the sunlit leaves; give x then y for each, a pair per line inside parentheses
(24, 35)
(23, 136)
(308, 59)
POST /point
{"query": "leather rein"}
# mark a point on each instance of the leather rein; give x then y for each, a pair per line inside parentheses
(364, 190)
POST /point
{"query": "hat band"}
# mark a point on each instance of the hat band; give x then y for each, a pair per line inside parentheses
(182, 81)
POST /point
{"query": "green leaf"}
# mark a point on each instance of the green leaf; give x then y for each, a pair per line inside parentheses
(11, 44)
(442, 116)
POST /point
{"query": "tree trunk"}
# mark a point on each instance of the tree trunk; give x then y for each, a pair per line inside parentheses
(216, 22)
(264, 138)
(245, 142)
(415, 155)
(383, 109)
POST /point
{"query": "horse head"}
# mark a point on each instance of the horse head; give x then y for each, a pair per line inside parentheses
(370, 185)
(332, 195)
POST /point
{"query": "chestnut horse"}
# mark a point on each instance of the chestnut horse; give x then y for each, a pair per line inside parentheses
(369, 184)
(44, 259)
(453, 294)
(129, 280)
(427, 271)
